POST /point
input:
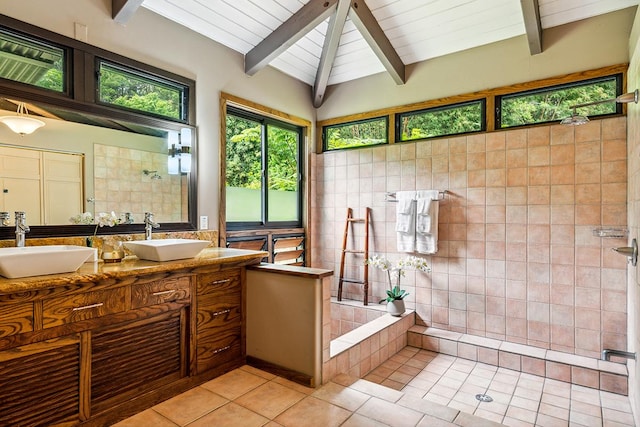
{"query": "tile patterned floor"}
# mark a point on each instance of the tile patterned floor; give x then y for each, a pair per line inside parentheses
(421, 389)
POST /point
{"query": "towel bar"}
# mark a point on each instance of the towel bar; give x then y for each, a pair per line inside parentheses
(391, 196)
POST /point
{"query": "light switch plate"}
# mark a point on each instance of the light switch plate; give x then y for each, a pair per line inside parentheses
(204, 222)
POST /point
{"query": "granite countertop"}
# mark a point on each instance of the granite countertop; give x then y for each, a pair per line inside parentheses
(130, 266)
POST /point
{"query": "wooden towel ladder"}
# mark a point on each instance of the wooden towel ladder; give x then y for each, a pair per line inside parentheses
(364, 251)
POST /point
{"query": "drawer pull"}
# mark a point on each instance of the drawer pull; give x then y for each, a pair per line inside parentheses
(220, 350)
(171, 291)
(88, 307)
(218, 313)
(219, 282)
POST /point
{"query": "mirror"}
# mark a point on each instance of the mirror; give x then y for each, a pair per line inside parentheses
(124, 171)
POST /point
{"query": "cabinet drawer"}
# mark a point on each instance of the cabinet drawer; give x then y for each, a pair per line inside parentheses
(63, 310)
(15, 319)
(161, 291)
(217, 315)
(214, 351)
(221, 281)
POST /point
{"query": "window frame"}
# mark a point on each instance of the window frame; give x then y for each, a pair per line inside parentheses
(67, 66)
(147, 75)
(266, 121)
(354, 122)
(483, 119)
(619, 79)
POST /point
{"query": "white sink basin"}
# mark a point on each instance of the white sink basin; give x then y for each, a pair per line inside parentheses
(166, 249)
(39, 260)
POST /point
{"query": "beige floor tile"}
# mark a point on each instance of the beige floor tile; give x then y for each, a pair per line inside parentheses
(388, 413)
(393, 384)
(377, 390)
(235, 383)
(553, 411)
(521, 402)
(462, 407)
(294, 386)
(344, 397)
(190, 405)
(584, 419)
(488, 415)
(429, 408)
(467, 420)
(357, 420)
(148, 418)
(585, 408)
(435, 398)
(230, 415)
(512, 422)
(548, 421)
(428, 421)
(270, 399)
(521, 414)
(311, 412)
(617, 416)
(258, 372)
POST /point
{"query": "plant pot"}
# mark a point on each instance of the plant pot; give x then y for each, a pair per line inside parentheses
(396, 307)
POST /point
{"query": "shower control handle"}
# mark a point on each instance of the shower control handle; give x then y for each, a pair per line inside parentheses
(629, 251)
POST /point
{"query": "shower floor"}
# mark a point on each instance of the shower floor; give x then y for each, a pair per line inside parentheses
(519, 399)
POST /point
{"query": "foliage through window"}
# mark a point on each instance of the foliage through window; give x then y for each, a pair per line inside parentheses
(356, 134)
(441, 121)
(263, 171)
(554, 104)
(136, 90)
(27, 60)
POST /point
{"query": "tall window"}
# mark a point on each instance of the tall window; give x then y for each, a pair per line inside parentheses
(28, 60)
(263, 172)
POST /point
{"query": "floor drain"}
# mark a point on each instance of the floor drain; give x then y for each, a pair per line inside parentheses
(484, 398)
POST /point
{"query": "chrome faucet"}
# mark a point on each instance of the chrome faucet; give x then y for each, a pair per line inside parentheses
(607, 353)
(4, 219)
(149, 225)
(21, 228)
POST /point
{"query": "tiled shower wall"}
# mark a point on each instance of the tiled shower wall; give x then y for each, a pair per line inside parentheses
(517, 260)
(122, 186)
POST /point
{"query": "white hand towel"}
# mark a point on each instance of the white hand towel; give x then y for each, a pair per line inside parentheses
(427, 222)
(406, 221)
(423, 215)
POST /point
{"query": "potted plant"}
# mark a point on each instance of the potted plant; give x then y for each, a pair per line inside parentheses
(395, 295)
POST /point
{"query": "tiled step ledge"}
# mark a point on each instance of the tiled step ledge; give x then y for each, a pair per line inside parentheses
(358, 352)
(584, 371)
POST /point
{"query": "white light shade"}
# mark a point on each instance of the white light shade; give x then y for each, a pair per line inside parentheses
(173, 165)
(21, 124)
(185, 137)
(185, 162)
(172, 139)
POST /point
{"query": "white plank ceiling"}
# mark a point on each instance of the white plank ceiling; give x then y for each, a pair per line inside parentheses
(417, 29)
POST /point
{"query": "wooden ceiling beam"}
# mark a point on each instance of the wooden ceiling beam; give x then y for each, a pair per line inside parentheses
(287, 34)
(376, 38)
(532, 25)
(123, 10)
(329, 49)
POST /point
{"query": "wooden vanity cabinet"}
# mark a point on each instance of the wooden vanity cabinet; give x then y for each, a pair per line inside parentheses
(93, 353)
(91, 349)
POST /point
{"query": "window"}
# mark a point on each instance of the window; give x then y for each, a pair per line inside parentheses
(136, 90)
(27, 60)
(553, 104)
(356, 134)
(441, 121)
(263, 172)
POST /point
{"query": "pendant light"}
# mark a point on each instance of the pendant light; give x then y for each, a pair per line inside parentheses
(21, 123)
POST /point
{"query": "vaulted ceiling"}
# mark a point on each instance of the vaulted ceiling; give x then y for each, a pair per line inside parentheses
(325, 42)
